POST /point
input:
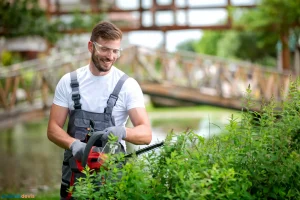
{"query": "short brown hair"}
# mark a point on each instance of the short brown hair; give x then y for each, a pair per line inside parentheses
(107, 31)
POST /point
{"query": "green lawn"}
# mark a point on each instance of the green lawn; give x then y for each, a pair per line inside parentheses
(51, 195)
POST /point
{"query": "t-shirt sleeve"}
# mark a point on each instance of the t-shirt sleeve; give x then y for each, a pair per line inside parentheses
(134, 94)
(61, 92)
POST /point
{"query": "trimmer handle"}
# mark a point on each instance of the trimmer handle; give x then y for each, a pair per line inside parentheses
(96, 135)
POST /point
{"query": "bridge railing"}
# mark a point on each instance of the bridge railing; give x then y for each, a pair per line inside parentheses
(33, 82)
(209, 74)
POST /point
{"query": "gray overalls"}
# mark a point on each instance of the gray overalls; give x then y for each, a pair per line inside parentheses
(78, 127)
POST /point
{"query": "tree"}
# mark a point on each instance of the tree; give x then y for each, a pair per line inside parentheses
(209, 42)
(25, 17)
(250, 46)
(278, 17)
(187, 46)
(245, 45)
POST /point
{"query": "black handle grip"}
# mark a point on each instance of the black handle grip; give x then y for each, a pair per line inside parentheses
(89, 145)
(144, 150)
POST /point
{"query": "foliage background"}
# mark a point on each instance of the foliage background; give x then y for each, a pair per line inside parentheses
(259, 35)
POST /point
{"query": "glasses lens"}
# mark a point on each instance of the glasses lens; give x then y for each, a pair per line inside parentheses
(103, 50)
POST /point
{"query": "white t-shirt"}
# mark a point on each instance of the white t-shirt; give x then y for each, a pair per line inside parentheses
(95, 90)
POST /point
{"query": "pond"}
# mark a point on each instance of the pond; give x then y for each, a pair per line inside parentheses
(31, 163)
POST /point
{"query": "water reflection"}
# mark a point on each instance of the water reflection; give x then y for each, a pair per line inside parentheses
(29, 161)
(205, 123)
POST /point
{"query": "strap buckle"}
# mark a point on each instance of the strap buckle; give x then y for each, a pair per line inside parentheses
(77, 106)
(74, 84)
(112, 98)
(75, 96)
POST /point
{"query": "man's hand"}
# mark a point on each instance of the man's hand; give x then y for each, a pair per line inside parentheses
(77, 149)
(118, 131)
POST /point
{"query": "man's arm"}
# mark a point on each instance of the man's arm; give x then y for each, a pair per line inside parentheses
(55, 131)
(141, 132)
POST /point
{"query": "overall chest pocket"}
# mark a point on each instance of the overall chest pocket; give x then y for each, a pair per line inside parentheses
(82, 128)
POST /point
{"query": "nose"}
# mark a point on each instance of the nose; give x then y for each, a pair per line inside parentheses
(111, 55)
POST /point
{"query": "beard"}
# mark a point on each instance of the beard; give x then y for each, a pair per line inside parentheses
(100, 62)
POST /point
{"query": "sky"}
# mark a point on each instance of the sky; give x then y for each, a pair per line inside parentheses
(154, 39)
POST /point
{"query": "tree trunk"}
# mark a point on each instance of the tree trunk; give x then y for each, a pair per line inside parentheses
(297, 60)
(285, 52)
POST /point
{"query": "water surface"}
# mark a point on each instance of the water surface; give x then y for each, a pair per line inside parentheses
(30, 162)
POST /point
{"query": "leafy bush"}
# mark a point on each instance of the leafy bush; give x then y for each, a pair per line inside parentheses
(256, 157)
(8, 58)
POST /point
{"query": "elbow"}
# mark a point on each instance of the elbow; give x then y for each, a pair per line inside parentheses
(49, 134)
(149, 138)
(147, 142)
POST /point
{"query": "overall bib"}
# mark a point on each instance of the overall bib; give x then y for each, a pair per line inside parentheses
(78, 127)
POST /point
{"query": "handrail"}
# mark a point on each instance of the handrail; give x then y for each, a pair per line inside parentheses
(209, 75)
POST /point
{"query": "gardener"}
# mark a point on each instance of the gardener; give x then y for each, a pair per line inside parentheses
(97, 94)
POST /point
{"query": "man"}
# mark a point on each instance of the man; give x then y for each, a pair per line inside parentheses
(100, 95)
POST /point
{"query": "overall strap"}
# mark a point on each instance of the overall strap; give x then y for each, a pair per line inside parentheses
(75, 90)
(111, 102)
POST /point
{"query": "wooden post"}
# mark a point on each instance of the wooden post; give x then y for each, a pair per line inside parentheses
(174, 9)
(45, 90)
(297, 60)
(94, 6)
(14, 92)
(141, 13)
(3, 96)
(57, 7)
(186, 13)
(48, 8)
(229, 17)
(153, 10)
(285, 51)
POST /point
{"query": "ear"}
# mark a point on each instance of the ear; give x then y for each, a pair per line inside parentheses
(90, 47)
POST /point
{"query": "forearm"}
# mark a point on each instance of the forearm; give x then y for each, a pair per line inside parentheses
(55, 131)
(58, 136)
(139, 135)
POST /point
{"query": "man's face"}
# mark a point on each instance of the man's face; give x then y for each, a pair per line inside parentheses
(105, 53)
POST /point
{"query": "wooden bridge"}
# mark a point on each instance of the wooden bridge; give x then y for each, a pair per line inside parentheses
(26, 89)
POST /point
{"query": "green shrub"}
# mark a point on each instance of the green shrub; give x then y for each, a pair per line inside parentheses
(7, 58)
(248, 160)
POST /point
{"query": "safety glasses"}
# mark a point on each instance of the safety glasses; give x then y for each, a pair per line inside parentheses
(104, 50)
